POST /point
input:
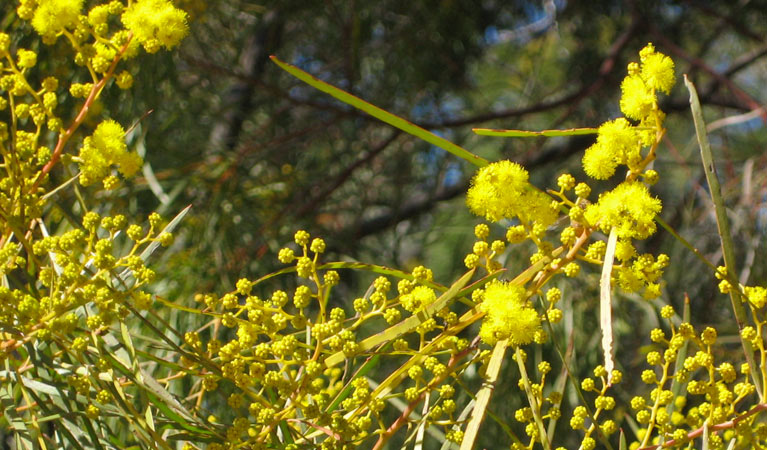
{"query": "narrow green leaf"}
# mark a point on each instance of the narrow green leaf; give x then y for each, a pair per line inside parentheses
(382, 115)
(38, 386)
(525, 133)
(151, 385)
(676, 385)
(622, 445)
(168, 229)
(117, 350)
(149, 417)
(21, 434)
(58, 406)
(128, 342)
(396, 377)
(728, 252)
(177, 419)
(684, 242)
(449, 445)
(89, 428)
(605, 303)
(705, 433)
(151, 247)
(366, 367)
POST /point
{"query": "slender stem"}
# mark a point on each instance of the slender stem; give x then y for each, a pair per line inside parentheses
(720, 426)
(92, 96)
(534, 405)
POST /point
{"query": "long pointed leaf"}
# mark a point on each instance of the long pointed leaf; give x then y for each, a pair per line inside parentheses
(525, 133)
(382, 115)
(722, 223)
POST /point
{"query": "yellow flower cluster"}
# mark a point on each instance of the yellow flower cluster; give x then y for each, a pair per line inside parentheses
(105, 148)
(54, 16)
(712, 390)
(155, 24)
(629, 208)
(618, 141)
(419, 298)
(501, 191)
(508, 315)
(654, 73)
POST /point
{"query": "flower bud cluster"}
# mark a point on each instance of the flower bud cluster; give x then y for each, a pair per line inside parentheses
(712, 391)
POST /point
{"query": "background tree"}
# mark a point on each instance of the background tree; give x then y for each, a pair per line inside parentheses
(259, 155)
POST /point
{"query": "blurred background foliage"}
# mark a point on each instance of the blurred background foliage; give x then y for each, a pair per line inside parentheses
(258, 154)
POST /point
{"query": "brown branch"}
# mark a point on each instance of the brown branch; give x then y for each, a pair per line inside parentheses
(745, 60)
(737, 26)
(719, 426)
(408, 211)
(315, 200)
(699, 63)
(64, 137)
(739, 64)
(607, 66)
(403, 418)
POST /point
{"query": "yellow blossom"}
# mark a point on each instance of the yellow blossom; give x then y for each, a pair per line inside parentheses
(418, 298)
(155, 23)
(658, 72)
(501, 190)
(637, 99)
(757, 296)
(53, 16)
(617, 143)
(508, 315)
(629, 208)
(106, 147)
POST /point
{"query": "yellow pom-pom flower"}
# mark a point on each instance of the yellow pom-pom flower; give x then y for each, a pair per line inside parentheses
(658, 72)
(53, 16)
(496, 190)
(106, 147)
(629, 208)
(501, 190)
(657, 69)
(637, 99)
(156, 23)
(599, 162)
(757, 296)
(508, 315)
(419, 298)
(537, 208)
(617, 143)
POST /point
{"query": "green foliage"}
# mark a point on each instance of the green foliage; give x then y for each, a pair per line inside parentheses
(99, 350)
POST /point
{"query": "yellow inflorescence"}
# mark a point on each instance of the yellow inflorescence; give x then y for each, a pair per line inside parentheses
(618, 141)
(54, 16)
(629, 208)
(501, 190)
(155, 24)
(106, 147)
(509, 316)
